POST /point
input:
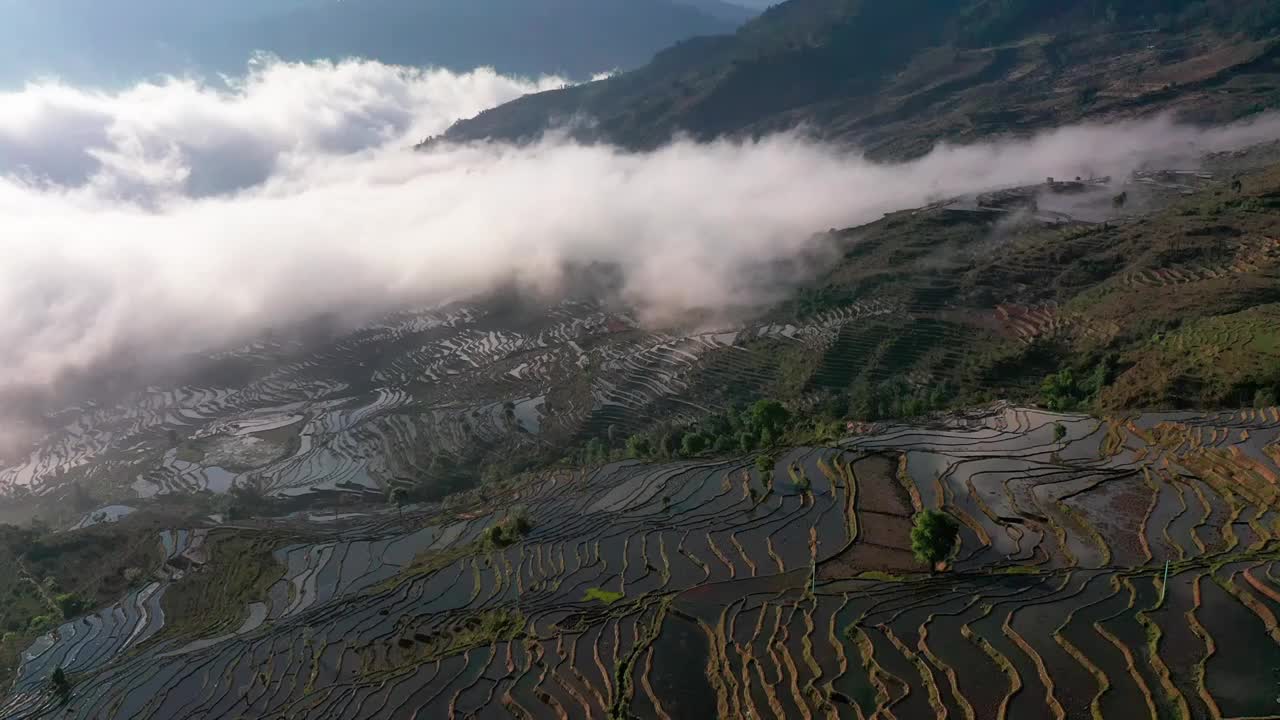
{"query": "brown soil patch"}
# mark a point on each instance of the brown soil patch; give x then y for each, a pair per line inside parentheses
(884, 523)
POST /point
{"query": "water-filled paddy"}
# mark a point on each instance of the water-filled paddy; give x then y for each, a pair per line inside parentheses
(718, 612)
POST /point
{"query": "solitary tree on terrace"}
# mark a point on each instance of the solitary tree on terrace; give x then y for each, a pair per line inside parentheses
(61, 686)
(933, 537)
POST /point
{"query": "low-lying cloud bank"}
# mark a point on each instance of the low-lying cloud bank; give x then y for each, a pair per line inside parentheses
(178, 216)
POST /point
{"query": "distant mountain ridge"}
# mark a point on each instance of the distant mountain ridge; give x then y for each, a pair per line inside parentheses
(733, 11)
(896, 77)
(115, 43)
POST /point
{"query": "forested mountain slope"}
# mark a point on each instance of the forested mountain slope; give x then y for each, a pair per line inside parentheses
(896, 77)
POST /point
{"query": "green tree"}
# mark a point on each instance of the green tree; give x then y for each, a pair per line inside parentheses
(693, 443)
(639, 446)
(70, 604)
(768, 437)
(764, 463)
(1098, 378)
(1063, 391)
(769, 415)
(1060, 391)
(933, 536)
(1059, 432)
(61, 685)
(716, 425)
(596, 451)
(520, 522)
(510, 530)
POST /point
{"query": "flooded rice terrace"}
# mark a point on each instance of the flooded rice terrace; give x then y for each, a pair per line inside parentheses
(359, 411)
(710, 589)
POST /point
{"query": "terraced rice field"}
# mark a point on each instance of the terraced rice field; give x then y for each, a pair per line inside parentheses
(379, 404)
(958, 295)
(706, 589)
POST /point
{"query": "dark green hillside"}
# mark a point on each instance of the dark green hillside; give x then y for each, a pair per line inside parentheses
(896, 77)
(1176, 308)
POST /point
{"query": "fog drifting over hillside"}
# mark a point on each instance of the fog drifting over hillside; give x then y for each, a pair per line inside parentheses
(178, 216)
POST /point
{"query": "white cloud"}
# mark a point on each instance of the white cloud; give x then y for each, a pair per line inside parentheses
(184, 136)
(176, 216)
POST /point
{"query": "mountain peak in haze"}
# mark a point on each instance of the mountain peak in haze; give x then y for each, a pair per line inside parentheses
(736, 12)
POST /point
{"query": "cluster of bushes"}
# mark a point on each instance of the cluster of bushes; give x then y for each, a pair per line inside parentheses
(738, 430)
(40, 623)
(71, 605)
(1066, 390)
(897, 399)
(1266, 397)
(509, 530)
(597, 451)
(768, 423)
(1265, 392)
(765, 463)
(24, 608)
(742, 429)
